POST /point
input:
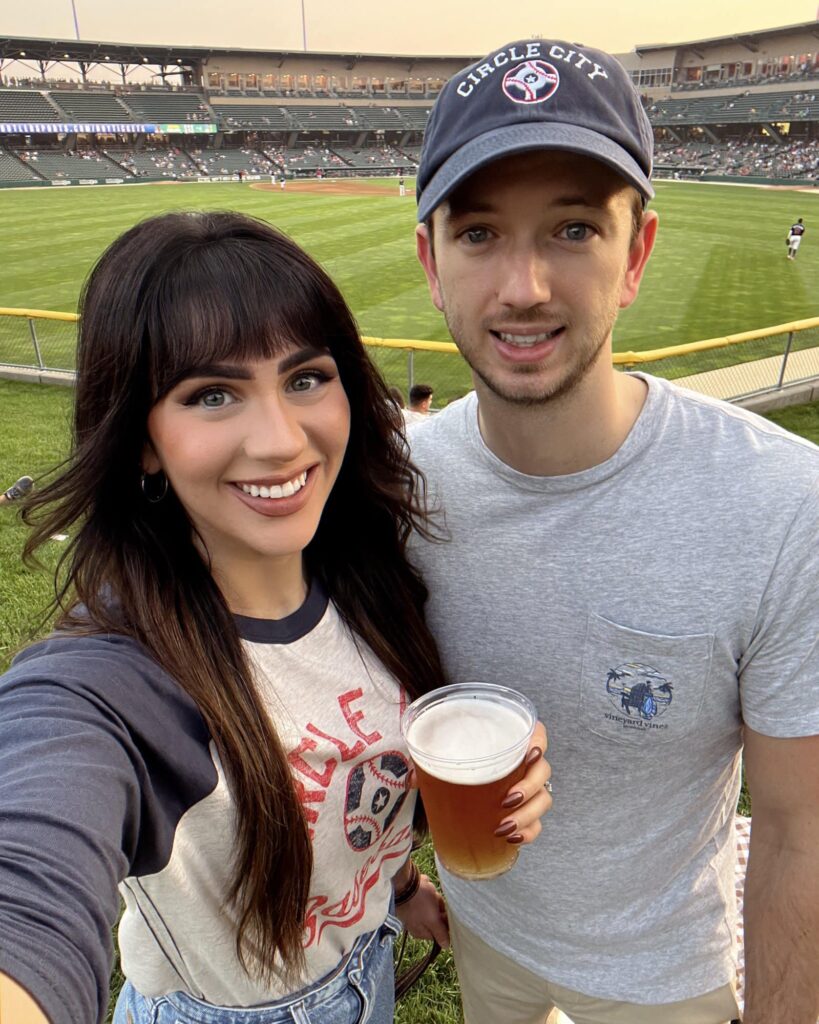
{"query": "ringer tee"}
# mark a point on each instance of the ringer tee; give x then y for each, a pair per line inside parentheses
(110, 785)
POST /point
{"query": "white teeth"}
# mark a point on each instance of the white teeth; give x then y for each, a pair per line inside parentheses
(284, 490)
(526, 340)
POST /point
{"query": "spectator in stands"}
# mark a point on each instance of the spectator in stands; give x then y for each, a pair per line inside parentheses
(580, 506)
(420, 400)
(238, 503)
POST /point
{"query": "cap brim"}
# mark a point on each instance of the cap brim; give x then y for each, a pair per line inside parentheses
(521, 138)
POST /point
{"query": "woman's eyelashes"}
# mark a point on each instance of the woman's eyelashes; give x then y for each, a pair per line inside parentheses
(309, 380)
(212, 397)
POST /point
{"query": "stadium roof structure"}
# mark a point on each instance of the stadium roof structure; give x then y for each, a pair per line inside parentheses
(82, 51)
(747, 39)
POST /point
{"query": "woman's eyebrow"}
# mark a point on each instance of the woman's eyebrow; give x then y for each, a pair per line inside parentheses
(303, 355)
(232, 371)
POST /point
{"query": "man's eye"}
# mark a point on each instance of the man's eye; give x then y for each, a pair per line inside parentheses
(578, 232)
(476, 235)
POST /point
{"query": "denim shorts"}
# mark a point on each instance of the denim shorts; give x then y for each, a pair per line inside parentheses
(361, 990)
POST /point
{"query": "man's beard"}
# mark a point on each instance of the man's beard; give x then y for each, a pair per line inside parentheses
(557, 389)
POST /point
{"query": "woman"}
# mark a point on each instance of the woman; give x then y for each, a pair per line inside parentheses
(213, 730)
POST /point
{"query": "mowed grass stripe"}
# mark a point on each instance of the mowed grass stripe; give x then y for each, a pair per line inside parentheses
(719, 266)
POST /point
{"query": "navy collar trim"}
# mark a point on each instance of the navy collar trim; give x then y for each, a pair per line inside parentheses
(293, 627)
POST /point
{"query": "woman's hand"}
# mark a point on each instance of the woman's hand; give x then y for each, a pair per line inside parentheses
(530, 798)
(424, 915)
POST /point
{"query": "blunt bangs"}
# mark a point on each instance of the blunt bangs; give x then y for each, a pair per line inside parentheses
(234, 300)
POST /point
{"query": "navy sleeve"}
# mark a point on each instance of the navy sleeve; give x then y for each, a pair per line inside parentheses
(100, 755)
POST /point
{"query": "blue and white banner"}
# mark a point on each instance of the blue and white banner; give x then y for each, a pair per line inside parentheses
(54, 128)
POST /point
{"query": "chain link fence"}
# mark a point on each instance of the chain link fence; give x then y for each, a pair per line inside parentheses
(732, 367)
(740, 365)
(35, 339)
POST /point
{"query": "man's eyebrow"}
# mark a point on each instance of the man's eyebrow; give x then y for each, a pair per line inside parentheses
(467, 208)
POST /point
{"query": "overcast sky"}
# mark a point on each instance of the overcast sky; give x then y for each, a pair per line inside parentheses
(397, 26)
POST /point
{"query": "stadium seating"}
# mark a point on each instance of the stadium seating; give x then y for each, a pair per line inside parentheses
(415, 118)
(16, 105)
(323, 118)
(154, 162)
(228, 161)
(374, 156)
(738, 109)
(167, 107)
(14, 169)
(262, 116)
(60, 165)
(385, 118)
(91, 106)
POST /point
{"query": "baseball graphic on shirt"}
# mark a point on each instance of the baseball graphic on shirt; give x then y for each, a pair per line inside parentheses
(376, 791)
(531, 82)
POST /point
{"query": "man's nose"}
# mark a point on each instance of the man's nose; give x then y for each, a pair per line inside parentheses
(525, 279)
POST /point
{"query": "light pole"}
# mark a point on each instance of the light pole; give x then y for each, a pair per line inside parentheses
(76, 22)
(303, 25)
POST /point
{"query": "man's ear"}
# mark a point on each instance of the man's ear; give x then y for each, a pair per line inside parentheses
(638, 258)
(426, 257)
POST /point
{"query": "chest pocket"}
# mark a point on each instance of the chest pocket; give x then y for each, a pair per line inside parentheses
(642, 689)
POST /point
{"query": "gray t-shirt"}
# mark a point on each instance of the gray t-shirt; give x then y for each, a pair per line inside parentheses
(648, 606)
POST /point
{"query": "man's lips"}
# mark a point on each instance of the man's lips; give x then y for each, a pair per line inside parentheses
(527, 346)
(527, 339)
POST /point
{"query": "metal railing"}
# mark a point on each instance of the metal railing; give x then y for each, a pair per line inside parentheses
(43, 344)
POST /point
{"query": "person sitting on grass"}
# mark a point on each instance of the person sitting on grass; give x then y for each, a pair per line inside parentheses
(213, 730)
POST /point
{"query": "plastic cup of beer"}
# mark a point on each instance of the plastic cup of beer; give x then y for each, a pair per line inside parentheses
(468, 743)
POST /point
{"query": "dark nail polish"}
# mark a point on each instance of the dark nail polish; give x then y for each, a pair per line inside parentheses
(534, 755)
(515, 839)
(506, 829)
(513, 800)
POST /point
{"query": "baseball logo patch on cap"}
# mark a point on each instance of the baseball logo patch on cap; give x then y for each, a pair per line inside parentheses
(531, 82)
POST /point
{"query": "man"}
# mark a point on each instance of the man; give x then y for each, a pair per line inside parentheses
(639, 560)
(420, 400)
(795, 238)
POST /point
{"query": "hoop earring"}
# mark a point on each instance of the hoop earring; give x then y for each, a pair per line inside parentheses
(147, 482)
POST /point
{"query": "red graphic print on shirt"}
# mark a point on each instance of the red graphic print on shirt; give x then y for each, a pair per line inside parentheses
(374, 791)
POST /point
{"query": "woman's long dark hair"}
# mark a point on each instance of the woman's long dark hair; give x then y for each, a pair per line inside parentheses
(174, 292)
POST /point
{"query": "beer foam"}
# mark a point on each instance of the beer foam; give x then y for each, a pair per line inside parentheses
(467, 730)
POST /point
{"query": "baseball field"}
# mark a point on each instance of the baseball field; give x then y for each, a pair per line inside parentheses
(719, 265)
(719, 268)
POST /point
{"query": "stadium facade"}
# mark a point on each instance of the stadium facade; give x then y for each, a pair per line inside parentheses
(742, 107)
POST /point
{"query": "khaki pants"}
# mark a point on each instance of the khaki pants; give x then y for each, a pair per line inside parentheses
(496, 990)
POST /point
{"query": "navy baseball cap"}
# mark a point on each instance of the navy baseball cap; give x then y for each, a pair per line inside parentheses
(534, 94)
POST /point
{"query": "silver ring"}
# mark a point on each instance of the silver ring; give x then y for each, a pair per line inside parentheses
(549, 786)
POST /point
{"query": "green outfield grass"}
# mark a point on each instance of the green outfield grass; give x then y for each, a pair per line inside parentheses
(35, 438)
(719, 266)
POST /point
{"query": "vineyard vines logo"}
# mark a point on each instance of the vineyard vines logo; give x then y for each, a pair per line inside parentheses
(531, 82)
(640, 691)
